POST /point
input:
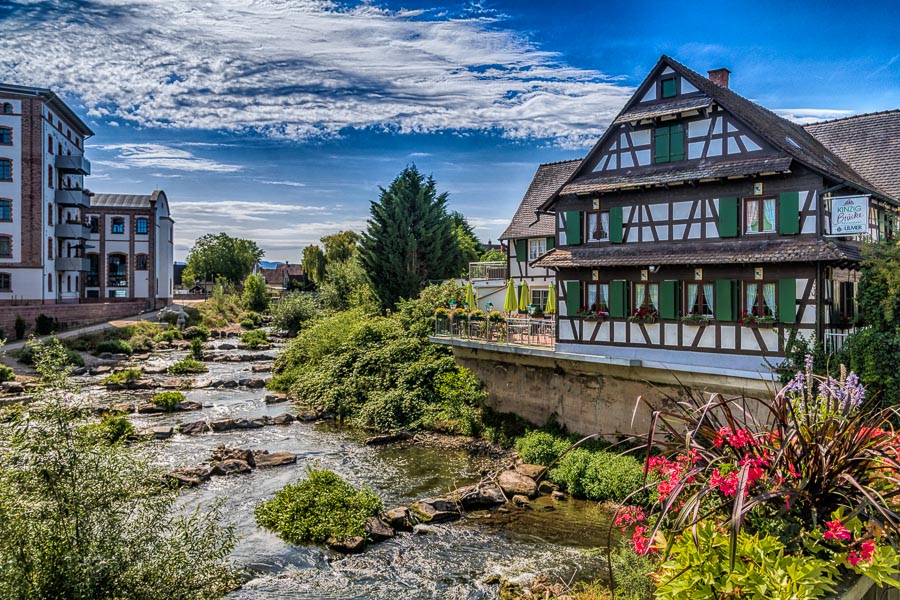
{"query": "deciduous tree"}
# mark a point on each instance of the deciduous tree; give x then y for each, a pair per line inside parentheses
(217, 255)
(313, 263)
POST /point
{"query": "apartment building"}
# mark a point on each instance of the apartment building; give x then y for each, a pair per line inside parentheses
(50, 250)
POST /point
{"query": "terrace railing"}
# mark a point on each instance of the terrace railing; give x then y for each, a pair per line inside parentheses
(488, 270)
(513, 331)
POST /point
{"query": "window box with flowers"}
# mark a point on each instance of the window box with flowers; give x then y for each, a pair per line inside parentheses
(695, 318)
(592, 315)
(753, 320)
(644, 315)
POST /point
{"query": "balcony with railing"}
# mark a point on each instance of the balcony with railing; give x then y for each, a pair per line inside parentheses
(71, 263)
(68, 163)
(513, 331)
(485, 271)
(73, 197)
(73, 230)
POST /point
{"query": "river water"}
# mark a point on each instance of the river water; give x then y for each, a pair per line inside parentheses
(453, 561)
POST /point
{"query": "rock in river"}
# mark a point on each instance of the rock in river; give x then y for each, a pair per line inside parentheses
(230, 467)
(377, 530)
(222, 453)
(195, 428)
(399, 518)
(265, 459)
(532, 471)
(435, 510)
(482, 495)
(390, 438)
(514, 483)
(190, 476)
(275, 398)
(283, 419)
(353, 545)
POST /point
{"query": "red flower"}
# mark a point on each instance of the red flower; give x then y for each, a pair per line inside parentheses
(867, 550)
(641, 543)
(630, 515)
(837, 532)
(853, 558)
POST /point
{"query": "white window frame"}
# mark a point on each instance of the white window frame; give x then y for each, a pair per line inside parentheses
(536, 247)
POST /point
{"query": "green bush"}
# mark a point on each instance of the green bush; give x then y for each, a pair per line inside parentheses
(114, 346)
(631, 572)
(254, 338)
(27, 354)
(196, 349)
(140, 344)
(252, 316)
(168, 400)
(255, 296)
(45, 325)
(322, 506)
(6, 373)
(167, 336)
(187, 366)
(874, 355)
(541, 448)
(247, 324)
(599, 475)
(196, 332)
(293, 311)
(122, 377)
(113, 429)
(461, 397)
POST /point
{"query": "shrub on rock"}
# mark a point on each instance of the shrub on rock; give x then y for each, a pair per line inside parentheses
(187, 366)
(322, 506)
(168, 400)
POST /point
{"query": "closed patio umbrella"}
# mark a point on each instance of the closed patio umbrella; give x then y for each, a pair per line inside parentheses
(509, 304)
(550, 309)
(471, 299)
(524, 297)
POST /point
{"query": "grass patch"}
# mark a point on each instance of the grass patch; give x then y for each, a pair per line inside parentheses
(187, 366)
(318, 508)
(254, 338)
(168, 400)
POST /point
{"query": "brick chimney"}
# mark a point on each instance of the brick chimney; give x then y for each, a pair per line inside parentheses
(719, 76)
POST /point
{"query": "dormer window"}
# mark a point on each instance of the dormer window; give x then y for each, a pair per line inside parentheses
(668, 88)
(668, 143)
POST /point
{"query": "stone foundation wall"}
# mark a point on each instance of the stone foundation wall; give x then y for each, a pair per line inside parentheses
(588, 397)
(69, 315)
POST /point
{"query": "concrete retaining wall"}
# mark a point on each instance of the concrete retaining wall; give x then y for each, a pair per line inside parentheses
(589, 397)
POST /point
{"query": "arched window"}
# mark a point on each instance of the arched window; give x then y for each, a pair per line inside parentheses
(141, 225)
(118, 225)
(93, 273)
(5, 246)
(49, 143)
(50, 176)
(7, 108)
(140, 262)
(5, 169)
(49, 282)
(5, 209)
(117, 272)
(59, 148)
(6, 136)
(68, 283)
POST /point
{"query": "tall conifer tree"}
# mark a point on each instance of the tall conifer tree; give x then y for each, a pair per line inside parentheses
(409, 239)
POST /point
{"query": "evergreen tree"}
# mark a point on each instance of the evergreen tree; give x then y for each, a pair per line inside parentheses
(468, 242)
(409, 239)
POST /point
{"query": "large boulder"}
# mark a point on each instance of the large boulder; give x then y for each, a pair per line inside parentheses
(481, 495)
(435, 510)
(223, 424)
(275, 398)
(230, 467)
(189, 476)
(283, 419)
(195, 428)
(514, 483)
(398, 518)
(163, 432)
(265, 459)
(188, 405)
(254, 383)
(148, 408)
(533, 471)
(377, 530)
(353, 545)
(223, 453)
(260, 368)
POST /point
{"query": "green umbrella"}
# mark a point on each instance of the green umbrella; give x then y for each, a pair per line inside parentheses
(524, 296)
(509, 305)
(470, 297)
(550, 309)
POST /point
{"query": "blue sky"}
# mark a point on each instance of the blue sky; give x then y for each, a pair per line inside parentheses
(277, 120)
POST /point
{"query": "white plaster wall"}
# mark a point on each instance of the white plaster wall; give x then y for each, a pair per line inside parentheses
(12, 190)
(27, 284)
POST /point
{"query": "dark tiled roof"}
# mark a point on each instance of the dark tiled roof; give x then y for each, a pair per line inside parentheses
(546, 181)
(660, 110)
(709, 169)
(135, 201)
(778, 131)
(869, 143)
(705, 253)
(53, 100)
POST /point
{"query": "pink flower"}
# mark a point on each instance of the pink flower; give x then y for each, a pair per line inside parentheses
(727, 484)
(630, 515)
(853, 558)
(867, 550)
(837, 532)
(641, 543)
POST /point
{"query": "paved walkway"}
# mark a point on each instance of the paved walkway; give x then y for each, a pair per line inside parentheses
(147, 316)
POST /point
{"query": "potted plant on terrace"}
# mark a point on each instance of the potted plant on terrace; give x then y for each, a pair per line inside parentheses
(791, 500)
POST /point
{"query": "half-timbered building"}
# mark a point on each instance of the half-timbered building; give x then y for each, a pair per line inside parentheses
(697, 231)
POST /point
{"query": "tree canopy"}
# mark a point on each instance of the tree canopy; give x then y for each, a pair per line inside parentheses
(468, 242)
(216, 255)
(410, 239)
(313, 263)
(340, 246)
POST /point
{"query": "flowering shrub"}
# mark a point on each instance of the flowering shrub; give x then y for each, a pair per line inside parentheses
(644, 315)
(811, 475)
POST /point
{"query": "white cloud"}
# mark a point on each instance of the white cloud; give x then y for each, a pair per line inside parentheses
(287, 183)
(804, 116)
(240, 210)
(158, 156)
(304, 68)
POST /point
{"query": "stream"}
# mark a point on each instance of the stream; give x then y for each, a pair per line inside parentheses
(453, 561)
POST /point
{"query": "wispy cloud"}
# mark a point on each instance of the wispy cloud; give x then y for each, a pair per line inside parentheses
(305, 68)
(286, 183)
(804, 116)
(159, 156)
(239, 210)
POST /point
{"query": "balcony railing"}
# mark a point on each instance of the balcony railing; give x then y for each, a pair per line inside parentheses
(73, 164)
(75, 230)
(73, 263)
(488, 270)
(512, 331)
(73, 198)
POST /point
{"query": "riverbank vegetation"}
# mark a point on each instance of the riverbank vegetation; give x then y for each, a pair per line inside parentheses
(83, 515)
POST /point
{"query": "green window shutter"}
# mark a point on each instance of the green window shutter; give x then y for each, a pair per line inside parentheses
(676, 142)
(789, 213)
(615, 225)
(573, 228)
(573, 297)
(661, 144)
(728, 217)
(617, 300)
(725, 300)
(787, 300)
(521, 250)
(551, 243)
(668, 299)
(668, 87)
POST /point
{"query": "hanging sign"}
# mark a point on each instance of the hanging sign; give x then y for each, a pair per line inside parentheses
(849, 215)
